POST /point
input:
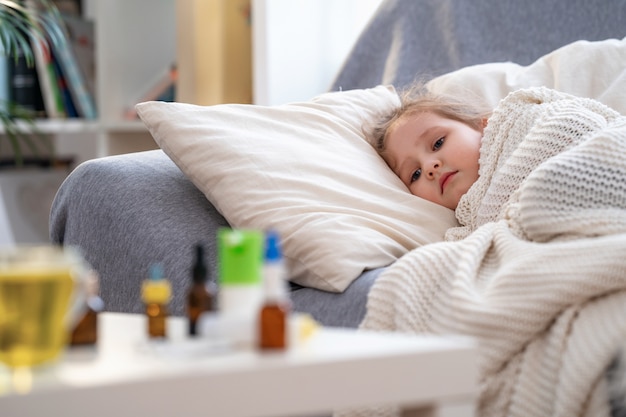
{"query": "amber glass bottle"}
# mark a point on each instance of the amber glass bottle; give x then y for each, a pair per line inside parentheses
(156, 292)
(274, 313)
(86, 331)
(273, 321)
(200, 297)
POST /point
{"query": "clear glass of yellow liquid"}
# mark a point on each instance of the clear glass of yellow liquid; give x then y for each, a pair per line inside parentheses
(37, 289)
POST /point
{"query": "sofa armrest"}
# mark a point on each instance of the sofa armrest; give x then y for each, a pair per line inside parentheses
(126, 212)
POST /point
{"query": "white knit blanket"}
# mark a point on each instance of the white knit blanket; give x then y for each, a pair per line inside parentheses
(537, 271)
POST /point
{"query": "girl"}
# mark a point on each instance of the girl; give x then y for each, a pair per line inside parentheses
(536, 272)
(454, 152)
(432, 142)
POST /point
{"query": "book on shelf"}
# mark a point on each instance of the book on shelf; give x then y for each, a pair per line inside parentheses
(60, 81)
(71, 7)
(75, 80)
(46, 73)
(162, 88)
(40, 46)
(4, 80)
(66, 97)
(23, 85)
(81, 37)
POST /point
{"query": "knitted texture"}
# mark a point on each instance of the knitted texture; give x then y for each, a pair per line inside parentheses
(549, 204)
(540, 278)
(528, 127)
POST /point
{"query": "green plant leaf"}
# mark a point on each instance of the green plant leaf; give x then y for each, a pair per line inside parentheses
(19, 26)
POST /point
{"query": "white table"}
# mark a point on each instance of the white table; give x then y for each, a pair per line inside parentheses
(127, 376)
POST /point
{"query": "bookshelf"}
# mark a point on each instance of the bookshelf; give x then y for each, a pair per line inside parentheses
(135, 41)
(138, 40)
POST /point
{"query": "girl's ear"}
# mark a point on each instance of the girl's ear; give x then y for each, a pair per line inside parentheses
(484, 122)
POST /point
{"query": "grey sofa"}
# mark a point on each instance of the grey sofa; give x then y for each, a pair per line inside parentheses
(125, 211)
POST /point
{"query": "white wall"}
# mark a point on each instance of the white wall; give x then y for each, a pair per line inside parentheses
(300, 45)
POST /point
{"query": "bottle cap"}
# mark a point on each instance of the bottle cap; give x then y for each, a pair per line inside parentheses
(272, 247)
(240, 255)
(199, 269)
(274, 270)
(156, 272)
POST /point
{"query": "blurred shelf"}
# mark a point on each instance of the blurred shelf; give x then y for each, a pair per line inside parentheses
(78, 126)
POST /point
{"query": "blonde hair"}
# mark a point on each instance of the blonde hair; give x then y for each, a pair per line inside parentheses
(418, 99)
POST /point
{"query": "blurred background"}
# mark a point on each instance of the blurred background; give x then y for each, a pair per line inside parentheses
(122, 52)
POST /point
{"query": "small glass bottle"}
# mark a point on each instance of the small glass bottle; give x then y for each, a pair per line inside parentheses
(86, 331)
(156, 292)
(200, 298)
(274, 313)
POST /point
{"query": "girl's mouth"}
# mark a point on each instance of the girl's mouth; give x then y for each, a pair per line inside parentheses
(445, 178)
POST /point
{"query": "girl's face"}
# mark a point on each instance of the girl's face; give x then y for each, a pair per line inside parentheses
(436, 157)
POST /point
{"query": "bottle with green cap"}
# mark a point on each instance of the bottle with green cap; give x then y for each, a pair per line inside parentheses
(240, 271)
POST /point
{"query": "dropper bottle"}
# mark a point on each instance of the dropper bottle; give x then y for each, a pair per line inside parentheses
(199, 298)
(86, 331)
(274, 314)
(156, 292)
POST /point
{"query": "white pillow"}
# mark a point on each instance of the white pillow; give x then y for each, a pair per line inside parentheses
(586, 69)
(305, 170)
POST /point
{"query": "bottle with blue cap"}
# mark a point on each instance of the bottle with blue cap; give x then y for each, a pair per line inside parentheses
(273, 317)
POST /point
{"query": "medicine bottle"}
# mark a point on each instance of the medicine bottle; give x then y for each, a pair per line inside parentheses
(156, 292)
(273, 320)
(200, 297)
(86, 331)
(239, 283)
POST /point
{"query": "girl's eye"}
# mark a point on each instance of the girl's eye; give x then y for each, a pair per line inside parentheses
(438, 144)
(416, 176)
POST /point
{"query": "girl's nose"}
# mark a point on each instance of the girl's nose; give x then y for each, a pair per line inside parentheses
(431, 168)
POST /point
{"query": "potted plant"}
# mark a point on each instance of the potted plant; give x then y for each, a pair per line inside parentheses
(20, 26)
(26, 190)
